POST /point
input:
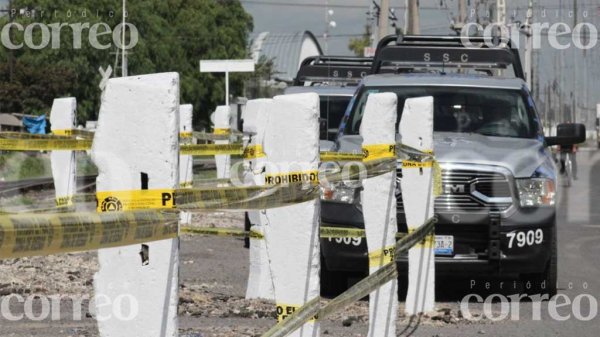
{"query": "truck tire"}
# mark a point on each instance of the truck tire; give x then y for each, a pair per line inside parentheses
(333, 283)
(545, 283)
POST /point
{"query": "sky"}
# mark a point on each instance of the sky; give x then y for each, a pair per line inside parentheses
(576, 75)
(350, 17)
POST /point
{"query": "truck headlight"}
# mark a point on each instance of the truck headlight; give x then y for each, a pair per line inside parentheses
(340, 191)
(536, 192)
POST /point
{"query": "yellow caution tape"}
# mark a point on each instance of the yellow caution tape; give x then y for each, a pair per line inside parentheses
(212, 136)
(340, 232)
(245, 198)
(427, 242)
(23, 135)
(222, 131)
(233, 232)
(45, 144)
(253, 152)
(285, 310)
(341, 156)
(73, 133)
(186, 184)
(406, 164)
(292, 177)
(381, 257)
(356, 292)
(344, 232)
(360, 171)
(186, 134)
(72, 144)
(211, 149)
(379, 151)
(65, 201)
(43, 234)
(325, 232)
(437, 179)
(113, 201)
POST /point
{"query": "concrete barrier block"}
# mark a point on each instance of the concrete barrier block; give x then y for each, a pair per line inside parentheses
(260, 282)
(416, 130)
(379, 209)
(137, 144)
(222, 122)
(186, 163)
(63, 163)
(292, 236)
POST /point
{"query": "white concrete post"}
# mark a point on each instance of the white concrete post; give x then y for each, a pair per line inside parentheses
(63, 163)
(186, 162)
(416, 129)
(292, 236)
(379, 208)
(222, 126)
(260, 282)
(137, 144)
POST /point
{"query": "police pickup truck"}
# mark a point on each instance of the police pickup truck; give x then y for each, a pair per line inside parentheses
(496, 216)
(334, 79)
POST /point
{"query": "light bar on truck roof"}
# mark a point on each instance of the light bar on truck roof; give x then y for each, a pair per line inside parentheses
(342, 69)
(405, 52)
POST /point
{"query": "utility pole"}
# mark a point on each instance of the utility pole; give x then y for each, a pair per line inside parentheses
(462, 13)
(123, 51)
(384, 12)
(574, 118)
(461, 20)
(527, 30)
(329, 23)
(412, 17)
(373, 21)
(501, 11)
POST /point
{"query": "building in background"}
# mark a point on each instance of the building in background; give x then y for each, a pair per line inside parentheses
(8, 122)
(286, 52)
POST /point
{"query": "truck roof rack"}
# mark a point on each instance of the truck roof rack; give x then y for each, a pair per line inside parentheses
(415, 51)
(341, 69)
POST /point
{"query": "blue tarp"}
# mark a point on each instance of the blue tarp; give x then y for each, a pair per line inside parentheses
(35, 125)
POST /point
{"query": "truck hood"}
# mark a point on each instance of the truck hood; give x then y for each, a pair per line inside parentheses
(520, 156)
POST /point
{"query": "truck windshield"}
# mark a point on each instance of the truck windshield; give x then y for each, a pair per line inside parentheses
(485, 111)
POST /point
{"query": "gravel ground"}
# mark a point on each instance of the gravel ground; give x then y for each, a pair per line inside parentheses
(213, 273)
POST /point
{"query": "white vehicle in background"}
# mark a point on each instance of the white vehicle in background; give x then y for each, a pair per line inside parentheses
(334, 79)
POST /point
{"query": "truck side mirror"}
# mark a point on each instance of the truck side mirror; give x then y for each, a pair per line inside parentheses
(567, 134)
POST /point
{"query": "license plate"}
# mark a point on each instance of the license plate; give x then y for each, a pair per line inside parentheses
(444, 245)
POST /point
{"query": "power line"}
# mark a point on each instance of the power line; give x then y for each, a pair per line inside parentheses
(319, 5)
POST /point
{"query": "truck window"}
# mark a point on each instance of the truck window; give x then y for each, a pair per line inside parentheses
(485, 111)
(333, 109)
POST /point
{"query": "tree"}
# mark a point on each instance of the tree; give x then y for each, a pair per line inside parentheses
(173, 36)
(259, 83)
(358, 45)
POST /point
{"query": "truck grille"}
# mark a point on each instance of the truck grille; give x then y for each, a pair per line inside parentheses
(471, 191)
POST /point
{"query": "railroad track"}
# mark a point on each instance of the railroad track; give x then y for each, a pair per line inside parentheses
(19, 187)
(84, 183)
